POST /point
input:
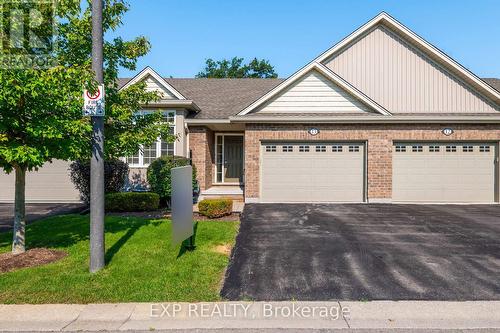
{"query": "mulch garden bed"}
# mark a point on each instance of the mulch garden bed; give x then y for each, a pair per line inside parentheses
(155, 214)
(229, 218)
(165, 214)
(31, 258)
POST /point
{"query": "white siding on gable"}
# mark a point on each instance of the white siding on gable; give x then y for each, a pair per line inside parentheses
(313, 93)
(153, 85)
(402, 79)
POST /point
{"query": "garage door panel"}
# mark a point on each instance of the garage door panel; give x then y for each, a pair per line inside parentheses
(321, 174)
(457, 172)
(51, 183)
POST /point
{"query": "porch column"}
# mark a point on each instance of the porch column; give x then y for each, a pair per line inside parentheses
(201, 145)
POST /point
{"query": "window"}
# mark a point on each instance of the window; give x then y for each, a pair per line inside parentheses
(270, 149)
(134, 159)
(148, 154)
(417, 149)
(353, 149)
(320, 149)
(167, 148)
(337, 149)
(467, 149)
(451, 149)
(219, 157)
(434, 149)
(287, 149)
(400, 149)
(484, 149)
(303, 149)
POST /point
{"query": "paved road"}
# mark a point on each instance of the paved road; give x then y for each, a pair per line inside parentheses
(35, 212)
(366, 252)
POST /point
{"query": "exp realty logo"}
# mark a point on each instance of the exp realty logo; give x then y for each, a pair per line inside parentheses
(27, 33)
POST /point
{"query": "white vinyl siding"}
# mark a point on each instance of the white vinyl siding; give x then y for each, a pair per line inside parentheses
(313, 93)
(402, 79)
(153, 85)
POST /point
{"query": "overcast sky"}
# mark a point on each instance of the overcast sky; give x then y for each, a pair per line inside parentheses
(290, 33)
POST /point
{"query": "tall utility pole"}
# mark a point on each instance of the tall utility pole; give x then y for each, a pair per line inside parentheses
(97, 160)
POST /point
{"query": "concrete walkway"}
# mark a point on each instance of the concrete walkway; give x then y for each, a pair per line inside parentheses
(260, 316)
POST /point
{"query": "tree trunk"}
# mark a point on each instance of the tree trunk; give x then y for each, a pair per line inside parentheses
(18, 244)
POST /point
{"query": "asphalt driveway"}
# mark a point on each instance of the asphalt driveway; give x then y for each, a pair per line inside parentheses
(36, 211)
(366, 252)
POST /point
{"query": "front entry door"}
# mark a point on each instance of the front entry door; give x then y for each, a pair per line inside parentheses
(233, 159)
(229, 157)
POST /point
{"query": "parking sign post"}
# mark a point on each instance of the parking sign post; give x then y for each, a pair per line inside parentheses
(97, 160)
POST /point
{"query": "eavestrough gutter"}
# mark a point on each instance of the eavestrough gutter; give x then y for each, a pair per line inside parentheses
(492, 119)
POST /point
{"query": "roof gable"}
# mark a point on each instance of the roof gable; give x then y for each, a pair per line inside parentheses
(154, 82)
(313, 92)
(403, 79)
(285, 94)
(460, 73)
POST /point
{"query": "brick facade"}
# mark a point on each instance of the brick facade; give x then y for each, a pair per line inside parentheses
(379, 140)
(201, 146)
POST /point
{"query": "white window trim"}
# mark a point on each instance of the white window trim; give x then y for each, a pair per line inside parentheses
(215, 182)
(141, 163)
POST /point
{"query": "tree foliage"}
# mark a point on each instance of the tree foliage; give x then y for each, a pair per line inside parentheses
(41, 109)
(124, 130)
(40, 117)
(235, 68)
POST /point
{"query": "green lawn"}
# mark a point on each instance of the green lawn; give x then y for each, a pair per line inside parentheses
(142, 264)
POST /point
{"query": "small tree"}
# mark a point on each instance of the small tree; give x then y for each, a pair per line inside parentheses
(40, 109)
(235, 68)
(40, 120)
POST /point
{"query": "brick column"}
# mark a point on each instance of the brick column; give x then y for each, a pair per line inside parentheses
(201, 145)
(379, 170)
(252, 164)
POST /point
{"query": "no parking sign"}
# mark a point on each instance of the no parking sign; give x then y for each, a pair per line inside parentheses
(93, 104)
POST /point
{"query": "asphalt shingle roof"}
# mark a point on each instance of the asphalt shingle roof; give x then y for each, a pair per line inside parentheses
(222, 98)
(495, 83)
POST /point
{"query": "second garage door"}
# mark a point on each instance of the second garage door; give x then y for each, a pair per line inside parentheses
(312, 172)
(51, 183)
(444, 172)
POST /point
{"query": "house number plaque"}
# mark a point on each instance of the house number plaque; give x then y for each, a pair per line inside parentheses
(447, 131)
(313, 131)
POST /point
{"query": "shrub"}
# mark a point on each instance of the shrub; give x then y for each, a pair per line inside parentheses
(160, 178)
(132, 201)
(213, 208)
(115, 177)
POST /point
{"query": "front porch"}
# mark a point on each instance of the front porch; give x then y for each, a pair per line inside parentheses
(234, 192)
(218, 154)
(220, 191)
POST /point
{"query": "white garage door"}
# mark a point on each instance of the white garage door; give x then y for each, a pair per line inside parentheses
(444, 172)
(51, 183)
(312, 172)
